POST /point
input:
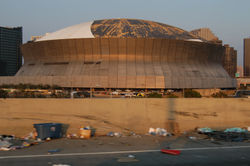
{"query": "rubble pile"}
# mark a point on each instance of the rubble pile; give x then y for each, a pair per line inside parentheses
(235, 134)
(10, 142)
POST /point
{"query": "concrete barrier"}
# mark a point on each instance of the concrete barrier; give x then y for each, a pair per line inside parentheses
(17, 116)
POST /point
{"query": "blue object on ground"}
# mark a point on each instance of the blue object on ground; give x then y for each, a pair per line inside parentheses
(54, 150)
(111, 134)
(48, 130)
(235, 130)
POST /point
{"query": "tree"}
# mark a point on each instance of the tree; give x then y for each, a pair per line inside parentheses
(189, 93)
(3, 94)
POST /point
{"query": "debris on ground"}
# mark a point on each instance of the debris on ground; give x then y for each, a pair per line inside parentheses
(117, 134)
(5, 144)
(48, 139)
(159, 131)
(230, 134)
(192, 138)
(72, 136)
(205, 130)
(42, 131)
(8, 142)
(235, 130)
(170, 151)
(112, 134)
(129, 158)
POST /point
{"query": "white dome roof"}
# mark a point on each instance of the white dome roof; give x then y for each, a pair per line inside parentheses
(82, 30)
(195, 40)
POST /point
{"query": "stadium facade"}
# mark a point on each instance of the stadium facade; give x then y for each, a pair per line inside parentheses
(123, 53)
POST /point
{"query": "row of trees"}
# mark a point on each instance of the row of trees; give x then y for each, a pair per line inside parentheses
(188, 93)
(21, 93)
(29, 86)
(29, 94)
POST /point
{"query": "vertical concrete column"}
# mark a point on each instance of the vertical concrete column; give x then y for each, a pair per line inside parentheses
(131, 69)
(139, 57)
(97, 61)
(80, 50)
(105, 63)
(149, 70)
(122, 62)
(113, 62)
(165, 64)
(159, 77)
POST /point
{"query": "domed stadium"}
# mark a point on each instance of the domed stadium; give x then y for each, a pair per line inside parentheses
(123, 54)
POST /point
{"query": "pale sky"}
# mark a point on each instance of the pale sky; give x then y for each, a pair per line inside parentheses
(228, 19)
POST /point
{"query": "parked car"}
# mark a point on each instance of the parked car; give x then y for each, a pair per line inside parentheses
(80, 94)
(242, 93)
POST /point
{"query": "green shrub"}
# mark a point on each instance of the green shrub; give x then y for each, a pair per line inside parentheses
(3, 94)
(219, 95)
(189, 93)
(154, 95)
(172, 96)
(29, 86)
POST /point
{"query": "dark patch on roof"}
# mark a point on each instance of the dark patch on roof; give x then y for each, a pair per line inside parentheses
(135, 28)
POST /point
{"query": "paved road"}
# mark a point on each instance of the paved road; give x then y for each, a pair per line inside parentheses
(106, 151)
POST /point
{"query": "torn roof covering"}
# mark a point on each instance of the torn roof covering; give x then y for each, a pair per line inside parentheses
(121, 28)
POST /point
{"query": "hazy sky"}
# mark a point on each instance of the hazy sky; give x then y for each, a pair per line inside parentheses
(228, 19)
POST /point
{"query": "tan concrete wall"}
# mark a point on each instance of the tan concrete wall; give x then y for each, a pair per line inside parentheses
(18, 115)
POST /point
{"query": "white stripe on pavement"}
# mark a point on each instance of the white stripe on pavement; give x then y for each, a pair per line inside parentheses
(117, 152)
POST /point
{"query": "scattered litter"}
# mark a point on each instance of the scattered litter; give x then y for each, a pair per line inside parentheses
(31, 135)
(193, 138)
(26, 144)
(204, 130)
(48, 139)
(72, 136)
(134, 134)
(236, 130)
(230, 134)
(8, 142)
(162, 132)
(5, 144)
(172, 152)
(130, 158)
(7, 137)
(5, 149)
(159, 131)
(117, 134)
(39, 139)
(112, 134)
(152, 131)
